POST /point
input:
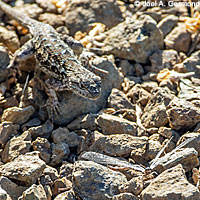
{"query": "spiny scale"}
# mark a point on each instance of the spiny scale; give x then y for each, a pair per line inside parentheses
(55, 58)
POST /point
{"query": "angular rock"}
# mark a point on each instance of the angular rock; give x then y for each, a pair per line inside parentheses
(138, 95)
(66, 170)
(115, 125)
(171, 184)
(155, 114)
(125, 196)
(47, 5)
(69, 195)
(84, 122)
(10, 39)
(4, 62)
(134, 39)
(182, 114)
(54, 20)
(134, 186)
(31, 123)
(43, 130)
(118, 100)
(35, 192)
(94, 181)
(194, 143)
(178, 39)
(163, 59)
(187, 157)
(4, 195)
(192, 64)
(167, 24)
(168, 133)
(63, 135)
(11, 188)
(44, 147)
(25, 168)
(7, 129)
(61, 184)
(72, 105)
(16, 146)
(106, 12)
(60, 152)
(120, 145)
(17, 115)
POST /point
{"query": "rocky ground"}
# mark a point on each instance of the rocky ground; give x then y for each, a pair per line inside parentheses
(150, 99)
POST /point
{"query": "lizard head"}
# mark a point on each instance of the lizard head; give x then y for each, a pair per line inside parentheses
(85, 84)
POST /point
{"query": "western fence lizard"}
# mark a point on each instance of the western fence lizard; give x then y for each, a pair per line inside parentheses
(56, 58)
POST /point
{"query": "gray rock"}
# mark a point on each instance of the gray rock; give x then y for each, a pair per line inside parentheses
(73, 105)
(63, 135)
(167, 24)
(25, 168)
(4, 61)
(182, 114)
(43, 130)
(178, 39)
(17, 115)
(120, 145)
(44, 147)
(192, 64)
(155, 112)
(106, 12)
(171, 184)
(60, 152)
(118, 100)
(11, 188)
(187, 157)
(194, 143)
(16, 146)
(94, 181)
(31, 123)
(134, 39)
(7, 129)
(84, 122)
(163, 59)
(35, 192)
(115, 125)
(4, 195)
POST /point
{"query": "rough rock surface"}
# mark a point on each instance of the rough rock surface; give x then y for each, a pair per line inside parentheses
(115, 125)
(17, 115)
(80, 17)
(182, 114)
(171, 184)
(25, 168)
(142, 40)
(120, 145)
(99, 182)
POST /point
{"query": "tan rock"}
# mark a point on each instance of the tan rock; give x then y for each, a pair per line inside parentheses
(17, 115)
(171, 184)
(16, 146)
(26, 168)
(115, 125)
(120, 145)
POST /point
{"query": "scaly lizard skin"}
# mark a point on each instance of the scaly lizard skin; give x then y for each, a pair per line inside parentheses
(55, 57)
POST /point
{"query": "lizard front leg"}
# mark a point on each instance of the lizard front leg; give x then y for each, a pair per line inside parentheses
(25, 52)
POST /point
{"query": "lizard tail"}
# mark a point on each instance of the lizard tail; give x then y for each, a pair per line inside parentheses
(15, 14)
